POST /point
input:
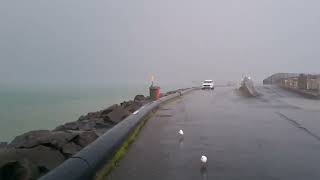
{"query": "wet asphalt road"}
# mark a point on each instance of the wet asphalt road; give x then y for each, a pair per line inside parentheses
(274, 136)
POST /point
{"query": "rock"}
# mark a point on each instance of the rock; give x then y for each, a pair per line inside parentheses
(43, 156)
(71, 148)
(101, 131)
(170, 92)
(71, 125)
(43, 137)
(101, 123)
(58, 139)
(28, 163)
(133, 107)
(86, 137)
(23, 169)
(98, 114)
(125, 104)
(109, 109)
(86, 126)
(118, 114)
(81, 118)
(139, 98)
(60, 128)
(92, 115)
(30, 139)
(68, 126)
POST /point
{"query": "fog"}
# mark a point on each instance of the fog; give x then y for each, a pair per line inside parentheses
(179, 41)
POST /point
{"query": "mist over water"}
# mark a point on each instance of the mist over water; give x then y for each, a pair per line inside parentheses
(116, 46)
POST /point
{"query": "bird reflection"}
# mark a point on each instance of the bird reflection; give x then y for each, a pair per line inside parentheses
(204, 172)
(181, 139)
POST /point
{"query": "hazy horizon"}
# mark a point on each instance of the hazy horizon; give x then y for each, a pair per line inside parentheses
(180, 42)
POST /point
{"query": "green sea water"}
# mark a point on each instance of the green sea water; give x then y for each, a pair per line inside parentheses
(25, 109)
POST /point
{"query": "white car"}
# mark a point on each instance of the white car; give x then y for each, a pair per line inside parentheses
(208, 84)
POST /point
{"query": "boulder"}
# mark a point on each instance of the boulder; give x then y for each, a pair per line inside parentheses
(71, 149)
(81, 118)
(60, 128)
(102, 123)
(133, 107)
(118, 114)
(43, 137)
(68, 126)
(19, 170)
(170, 92)
(71, 125)
(125, 104)
(28, 163)
(109, 109)
(86, 126)
(90, 115)
(139, 98)
(30, 139)
(86, 137)
(101, 131)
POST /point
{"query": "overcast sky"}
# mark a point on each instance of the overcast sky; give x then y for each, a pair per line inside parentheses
(106, 41)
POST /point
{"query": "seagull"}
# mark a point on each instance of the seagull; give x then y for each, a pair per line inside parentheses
(181, 132)
(204, 159)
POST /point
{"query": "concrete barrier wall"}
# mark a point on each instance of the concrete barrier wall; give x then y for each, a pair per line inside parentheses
(92, 158)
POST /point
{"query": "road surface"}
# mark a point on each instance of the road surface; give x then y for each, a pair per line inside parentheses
(275, 136)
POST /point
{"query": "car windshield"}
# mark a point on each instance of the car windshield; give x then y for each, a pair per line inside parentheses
(151, 89)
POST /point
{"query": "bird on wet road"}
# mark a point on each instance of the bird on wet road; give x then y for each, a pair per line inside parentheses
(204, 159)
(181, 132)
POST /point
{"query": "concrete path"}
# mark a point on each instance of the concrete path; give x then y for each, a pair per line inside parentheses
(274, 136)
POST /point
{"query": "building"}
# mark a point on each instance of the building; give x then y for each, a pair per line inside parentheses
(291, 82)
(276, 78)
(309, 82)
(313, 82)
(302, 81)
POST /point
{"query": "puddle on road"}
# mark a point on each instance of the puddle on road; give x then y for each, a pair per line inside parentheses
(204, 172)
(164, 109)
(163, 115)
(181, 139)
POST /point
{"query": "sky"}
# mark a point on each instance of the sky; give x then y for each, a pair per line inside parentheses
(178, 41)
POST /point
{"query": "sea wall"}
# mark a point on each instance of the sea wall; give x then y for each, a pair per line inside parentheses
(35, 153)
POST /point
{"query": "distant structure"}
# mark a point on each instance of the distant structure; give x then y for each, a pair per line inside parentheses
(275, 78)
(309, 82)
(306, 84)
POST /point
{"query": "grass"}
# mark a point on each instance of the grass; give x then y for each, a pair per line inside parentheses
(105, 171)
